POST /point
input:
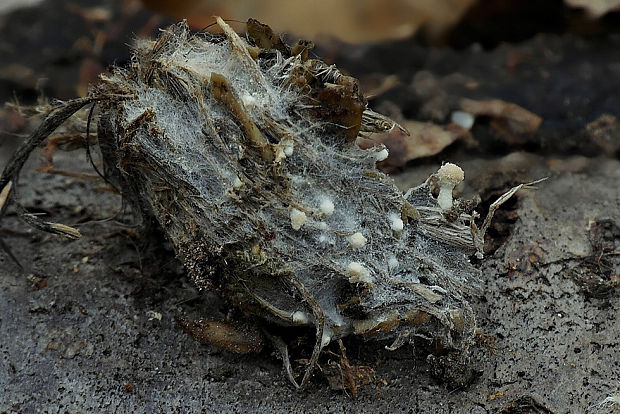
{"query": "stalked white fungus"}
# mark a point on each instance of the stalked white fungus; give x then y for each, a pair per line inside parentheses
(382, 155)
(357, 240)
(396, 223)
(298, 219)
(449, 176)
(300, 318)
(327, 207)
(358, 273)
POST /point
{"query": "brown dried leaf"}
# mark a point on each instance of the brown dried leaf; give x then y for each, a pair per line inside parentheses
(19, 74)
(604, 133)
(11, 121)
(509, 119)
(425, 139)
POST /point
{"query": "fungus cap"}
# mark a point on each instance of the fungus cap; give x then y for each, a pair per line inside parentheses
(450, 174)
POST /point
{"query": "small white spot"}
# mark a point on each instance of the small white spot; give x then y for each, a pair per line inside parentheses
(298, 219)
(248, 101)
(463, 119)
(382, 155)
(153, 315)
(358, 273)
(300, 318)
(357, 240)
(396, 223)
(327, 207)
(322, 225)
(393, 262)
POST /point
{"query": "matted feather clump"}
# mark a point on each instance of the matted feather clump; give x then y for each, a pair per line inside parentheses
(244, 151)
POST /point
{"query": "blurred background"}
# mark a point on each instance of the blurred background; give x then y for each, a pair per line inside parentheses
(415, 58)
(58, 46)
(41, 36)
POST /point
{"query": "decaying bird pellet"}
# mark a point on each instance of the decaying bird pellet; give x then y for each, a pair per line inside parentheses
(244, 152)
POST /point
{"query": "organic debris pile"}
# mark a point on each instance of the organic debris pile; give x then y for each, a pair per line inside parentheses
(245, 153)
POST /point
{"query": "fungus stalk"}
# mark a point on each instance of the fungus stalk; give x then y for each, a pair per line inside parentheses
(449, 176)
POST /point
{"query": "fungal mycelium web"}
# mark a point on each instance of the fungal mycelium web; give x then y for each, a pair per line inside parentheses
(243, 150)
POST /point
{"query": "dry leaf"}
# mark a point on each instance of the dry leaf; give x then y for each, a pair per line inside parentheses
(509, 119)
(425, 139)
(604, 133)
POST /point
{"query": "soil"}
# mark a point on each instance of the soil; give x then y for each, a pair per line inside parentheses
(89, 325)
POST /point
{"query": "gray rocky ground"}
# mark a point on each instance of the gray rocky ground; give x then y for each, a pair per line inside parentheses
(90, 340)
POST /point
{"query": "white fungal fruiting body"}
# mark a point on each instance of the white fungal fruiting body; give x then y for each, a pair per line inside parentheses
(449, 176)
(327, 337)
(327, 207)
(300, 318)
(298, 219)
(396, 223)
(357, 240)
(382, 155)
(358, 273)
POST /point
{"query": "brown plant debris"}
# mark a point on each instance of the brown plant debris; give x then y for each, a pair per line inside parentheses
(413, 140)
(603, 134)
(238, 339)
(342, 376)
(598, 274)
(510, 120)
